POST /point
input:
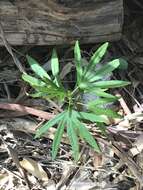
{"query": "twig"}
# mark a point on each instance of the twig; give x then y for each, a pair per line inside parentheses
(9, 49)
(14, 155)
(126, 158)
(123, 104)
(26, 110)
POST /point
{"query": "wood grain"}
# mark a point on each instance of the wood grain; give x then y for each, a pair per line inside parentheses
(50, 22)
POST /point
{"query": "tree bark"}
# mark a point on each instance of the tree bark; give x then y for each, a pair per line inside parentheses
(50, 22)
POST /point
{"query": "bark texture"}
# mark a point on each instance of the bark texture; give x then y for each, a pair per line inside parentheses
(50, 22)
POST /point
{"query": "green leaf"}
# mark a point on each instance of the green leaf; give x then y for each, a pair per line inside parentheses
(85, 134)
(105, 70)
(84, 85)
(77, 57)
(37, 68)
(101, 93)
(101, 101)
(123, 64)
(73, 139)
(37, 95)
(92, 117)
(104, 111)
(97, 56)
(111, 84)
(102, 128)
(32, 80)
(49, 124)
(57, 138)
(54, 63)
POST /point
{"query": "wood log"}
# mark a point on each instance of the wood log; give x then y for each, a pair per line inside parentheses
(53, 22)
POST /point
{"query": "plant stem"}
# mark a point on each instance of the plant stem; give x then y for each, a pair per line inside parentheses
(55, 105)
(74, 91)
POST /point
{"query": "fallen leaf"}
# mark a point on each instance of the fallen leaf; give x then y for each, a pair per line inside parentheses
(137, 146)
(34, 168)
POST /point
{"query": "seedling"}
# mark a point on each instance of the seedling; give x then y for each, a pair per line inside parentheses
(89, 79)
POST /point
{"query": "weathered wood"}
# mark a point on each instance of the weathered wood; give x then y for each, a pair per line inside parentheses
(49, 22)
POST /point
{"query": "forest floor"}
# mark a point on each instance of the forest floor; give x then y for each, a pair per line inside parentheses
(120, 167)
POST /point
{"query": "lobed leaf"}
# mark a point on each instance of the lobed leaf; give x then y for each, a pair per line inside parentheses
(85, 134)
(49, 124)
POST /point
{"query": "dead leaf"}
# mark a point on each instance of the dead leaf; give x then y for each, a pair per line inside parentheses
(137, 146)
(34, 168)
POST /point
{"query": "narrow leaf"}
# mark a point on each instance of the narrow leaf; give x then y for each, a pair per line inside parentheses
(85, 134)
(97, 56)
(32, 80)
(92, 117)
(77, 57)
(104, 111)
(73, 139)
(123, 64)
(101, 93)
(37, 95)
(49, 124)
(37, 68)
(57, 138)
(101, 101)
(54, 63)
(111, 84)
(105, 70)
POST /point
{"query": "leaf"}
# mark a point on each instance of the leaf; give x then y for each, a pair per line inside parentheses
(104, 111)
(57, 138)
(102, 128)
(49, 124)
(37, 68)
(73, 139)
(33, 81)
(77, 57)
(34, 168)
(101, 101)
(123, 64)
(101, 93)
(37, 95)
(54, 63)
(66, 70)
(85, 134)
(111, 84)
(92, 117)
(97, 56)
(105, 70)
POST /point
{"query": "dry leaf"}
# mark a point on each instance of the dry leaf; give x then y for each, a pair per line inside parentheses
(34, 168)
(137, 146)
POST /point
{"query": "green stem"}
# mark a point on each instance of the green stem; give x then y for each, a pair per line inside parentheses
(74, 91)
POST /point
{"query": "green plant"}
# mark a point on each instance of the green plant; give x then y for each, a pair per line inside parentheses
(72, 118)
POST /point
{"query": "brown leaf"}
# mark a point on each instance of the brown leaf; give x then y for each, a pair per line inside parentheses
(137, 146)
(34, 168)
